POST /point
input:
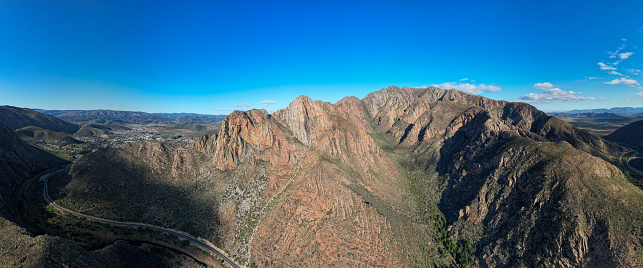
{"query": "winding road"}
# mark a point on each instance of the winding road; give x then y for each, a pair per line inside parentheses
(635, 156)
(196, 241)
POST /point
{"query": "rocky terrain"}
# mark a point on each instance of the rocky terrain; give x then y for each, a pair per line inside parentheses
(20, 165)
(404, 177)
(18, 248)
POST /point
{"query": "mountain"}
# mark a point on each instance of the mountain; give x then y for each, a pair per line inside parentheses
(36, 133)
(404, 177)
(630, 134)
(17, 118)
(615, 110)
(18, 162)
(129, 117)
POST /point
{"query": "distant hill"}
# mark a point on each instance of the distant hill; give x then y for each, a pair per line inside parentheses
(631, 134)
(17, 118)
(31, 132)
(98, 130)
(615, 110)
(590, 115)
(130, 117)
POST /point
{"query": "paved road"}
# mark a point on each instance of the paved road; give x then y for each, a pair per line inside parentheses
(635, 156)
(190, 238)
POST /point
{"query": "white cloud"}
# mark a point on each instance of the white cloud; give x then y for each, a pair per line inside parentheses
(625, 55)
(634, 71)
(552, 94)
(267, 102)
(630, 100)
(605, 67)
(640, 93)
(464, 79)
(468, 88)
(616, 73)
(622, 80)
(592, 78)
(545, 85)
(241, 105)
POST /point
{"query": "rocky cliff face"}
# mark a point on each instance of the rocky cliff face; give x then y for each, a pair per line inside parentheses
(409, 177)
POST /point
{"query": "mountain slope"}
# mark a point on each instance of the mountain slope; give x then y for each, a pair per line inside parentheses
(17, 118)
(18, 248)
(18, 161)
(403, 177)
(631, 134)
(35, 133)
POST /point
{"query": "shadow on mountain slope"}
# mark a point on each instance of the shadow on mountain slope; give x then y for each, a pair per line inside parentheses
(142, 184)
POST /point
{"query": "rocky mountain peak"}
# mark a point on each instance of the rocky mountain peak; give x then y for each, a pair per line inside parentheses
(301, 116)
(243, 134)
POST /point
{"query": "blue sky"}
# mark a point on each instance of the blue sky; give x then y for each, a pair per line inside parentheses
(213, 57)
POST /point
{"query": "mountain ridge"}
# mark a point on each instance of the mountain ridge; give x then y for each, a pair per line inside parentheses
(17, 118)
(403, 177)
(131, 117)
(614, 110)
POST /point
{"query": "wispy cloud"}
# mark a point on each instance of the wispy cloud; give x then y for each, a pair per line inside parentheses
(616, 53)
(640, 93)
(552, 94)
(605, 67)
(622, 80)
(464, 79)
(592, 78)
(625, 55)
(267, 102)
(468, 88)
(241, 105)
(616, 73)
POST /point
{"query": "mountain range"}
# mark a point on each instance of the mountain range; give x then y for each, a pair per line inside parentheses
(405, 177)
(130, 117)
(615, 110)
